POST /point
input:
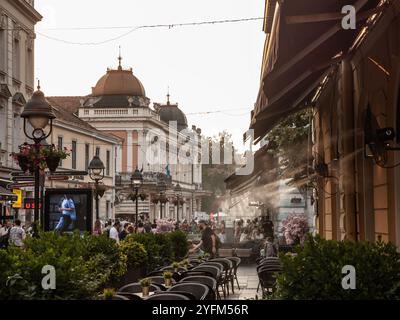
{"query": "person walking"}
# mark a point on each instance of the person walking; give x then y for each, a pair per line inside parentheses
(114, 231)
(5, 234)
(17, 234)
(97, 228)
(270, 248)
(209, 242)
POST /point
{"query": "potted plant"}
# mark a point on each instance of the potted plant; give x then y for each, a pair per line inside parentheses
(175, 265)
(185, 263)
(145, 284)
(53, 155)
(108, 293)
(167, 278)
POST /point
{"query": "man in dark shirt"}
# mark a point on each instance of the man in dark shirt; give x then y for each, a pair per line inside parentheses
(208, 242)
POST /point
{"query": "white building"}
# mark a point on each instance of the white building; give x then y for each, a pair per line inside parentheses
(118, 106)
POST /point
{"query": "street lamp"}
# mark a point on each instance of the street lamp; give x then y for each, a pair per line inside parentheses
(178, 194)
(137, 181)
(96, 173)
(162, 187)
(39, 113)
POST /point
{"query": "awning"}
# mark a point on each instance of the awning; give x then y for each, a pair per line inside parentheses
(307, 39)
(6, 195)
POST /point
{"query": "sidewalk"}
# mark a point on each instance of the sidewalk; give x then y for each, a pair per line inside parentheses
(248, 282)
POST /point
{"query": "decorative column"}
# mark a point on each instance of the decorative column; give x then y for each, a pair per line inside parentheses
(129, 152)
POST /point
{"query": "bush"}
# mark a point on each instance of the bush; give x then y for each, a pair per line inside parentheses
(82, 263)
(135, 253)
(153, 247)
(178, 241)
(316, 271)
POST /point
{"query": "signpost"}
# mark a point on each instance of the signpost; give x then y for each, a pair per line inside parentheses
(22, 178)
(67, 173)
(20, 185)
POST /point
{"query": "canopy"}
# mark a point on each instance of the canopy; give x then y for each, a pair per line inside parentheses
(305, 42)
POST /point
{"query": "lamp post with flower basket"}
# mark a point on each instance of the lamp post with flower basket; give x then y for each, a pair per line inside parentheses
(96, 173)
(39, 113)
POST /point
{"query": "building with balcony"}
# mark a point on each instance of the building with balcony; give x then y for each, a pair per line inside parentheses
(155, 139)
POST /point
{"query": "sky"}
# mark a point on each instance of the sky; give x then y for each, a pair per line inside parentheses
(207, 68)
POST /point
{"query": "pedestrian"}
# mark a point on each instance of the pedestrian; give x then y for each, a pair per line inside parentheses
(114, 231)
(270, 248)
(5, 234)
(97, 228)
(122, 235)
(209, 242)
(140, 228)
(17, 234)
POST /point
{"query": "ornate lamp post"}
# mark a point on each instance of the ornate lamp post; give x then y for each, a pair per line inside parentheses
(178, 194)
(162, 187)
(39, 113)
(96, 173)
(137, 181)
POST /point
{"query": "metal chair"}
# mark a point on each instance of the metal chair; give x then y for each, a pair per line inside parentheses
(267, 280)
(210, 282)
(130, 296)
(200, 291)
(228, 271)
(236, 262)
(168, 296)
(136, 288)
(216, 274)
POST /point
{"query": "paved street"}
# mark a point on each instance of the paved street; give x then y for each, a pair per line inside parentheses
(248, 281)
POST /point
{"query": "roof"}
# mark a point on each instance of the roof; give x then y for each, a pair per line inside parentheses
(63, 113)
(171, 112)
(304, 46)
(69, 104)
(119, 82)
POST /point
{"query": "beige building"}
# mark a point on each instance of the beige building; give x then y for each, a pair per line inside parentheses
(17, 22)
(83, 142)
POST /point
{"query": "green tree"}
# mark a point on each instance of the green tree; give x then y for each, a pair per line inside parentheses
(215, 174)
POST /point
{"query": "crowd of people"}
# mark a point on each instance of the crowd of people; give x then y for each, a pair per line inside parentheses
(13, 233)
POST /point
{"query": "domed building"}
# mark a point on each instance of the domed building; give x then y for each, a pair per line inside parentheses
(119, 107)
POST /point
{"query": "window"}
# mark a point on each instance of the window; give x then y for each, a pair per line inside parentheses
(73, 154)
(98, 151)
(87, 156)
(3, 51)
(108, 163)
(29, 67)
(60, 146)
(16, 59)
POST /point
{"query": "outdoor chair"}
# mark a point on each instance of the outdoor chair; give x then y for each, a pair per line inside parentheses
(200, 291)
(168, 296)
(236, 262)
(130, 296)
(216, 274)
(267, 280)
(172, 269)
(136, 288)
(210, 282)
(227, 273)
(175, 276)
(192, 272)
(159, 280)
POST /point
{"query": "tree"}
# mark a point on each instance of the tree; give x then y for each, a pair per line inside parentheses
(215, 174)
(290, 142)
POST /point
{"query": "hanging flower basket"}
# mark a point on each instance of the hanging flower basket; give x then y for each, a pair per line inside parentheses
(53, 162)
(23, 162)
(31, 157)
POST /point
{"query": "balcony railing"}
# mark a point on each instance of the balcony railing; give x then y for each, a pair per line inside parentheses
(124, 178)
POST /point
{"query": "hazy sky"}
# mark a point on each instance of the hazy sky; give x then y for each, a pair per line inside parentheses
(208, 68)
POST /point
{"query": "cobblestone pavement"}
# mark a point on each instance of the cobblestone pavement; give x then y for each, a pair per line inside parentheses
(248, 282)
